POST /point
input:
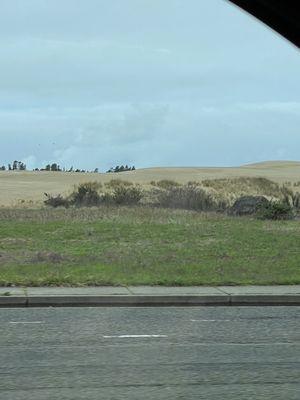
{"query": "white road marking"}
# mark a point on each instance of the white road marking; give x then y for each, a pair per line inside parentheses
(133, 336)
(27, 322)
(211, 320)
(246, 344)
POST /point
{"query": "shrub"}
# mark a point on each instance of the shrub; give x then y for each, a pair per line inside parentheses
(56, 201)
(187, 197)
(86, 194)
(127, 195)
(275, 211)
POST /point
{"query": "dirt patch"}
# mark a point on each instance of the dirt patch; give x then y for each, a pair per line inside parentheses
(5, 258)
(50, 256)
(13, 241)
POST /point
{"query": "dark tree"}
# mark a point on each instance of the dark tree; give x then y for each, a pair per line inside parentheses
(54, 167)
(121, 168)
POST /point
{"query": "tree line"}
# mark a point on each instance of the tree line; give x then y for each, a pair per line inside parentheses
(14, 166)
(121, 168)
(54, 167)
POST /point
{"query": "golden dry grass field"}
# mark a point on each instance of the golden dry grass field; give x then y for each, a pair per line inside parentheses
(28, 187)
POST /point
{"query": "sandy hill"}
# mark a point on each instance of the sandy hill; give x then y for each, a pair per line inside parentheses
(30, 186)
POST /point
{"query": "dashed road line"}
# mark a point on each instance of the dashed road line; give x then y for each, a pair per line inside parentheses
(26, 322)
(132, 336)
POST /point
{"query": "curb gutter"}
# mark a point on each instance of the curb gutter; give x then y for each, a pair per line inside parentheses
(149, 300)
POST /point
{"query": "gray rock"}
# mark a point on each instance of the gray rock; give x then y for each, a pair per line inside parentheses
(248, 205)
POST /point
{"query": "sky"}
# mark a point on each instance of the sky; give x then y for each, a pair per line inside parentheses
(99, 83)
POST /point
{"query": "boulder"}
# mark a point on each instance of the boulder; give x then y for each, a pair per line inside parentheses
(248, 205)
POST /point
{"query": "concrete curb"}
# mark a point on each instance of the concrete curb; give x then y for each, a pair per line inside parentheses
(149, 300)
(13, 301)
(265, 300)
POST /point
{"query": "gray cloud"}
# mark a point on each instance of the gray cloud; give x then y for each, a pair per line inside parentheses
(149, 82)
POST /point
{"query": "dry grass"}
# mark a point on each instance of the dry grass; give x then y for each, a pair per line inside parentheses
(230, 189)
(27, 188)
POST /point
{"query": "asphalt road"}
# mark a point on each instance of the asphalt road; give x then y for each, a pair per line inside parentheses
(150, 353)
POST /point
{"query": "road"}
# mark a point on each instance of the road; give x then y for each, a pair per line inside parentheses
(150, 353)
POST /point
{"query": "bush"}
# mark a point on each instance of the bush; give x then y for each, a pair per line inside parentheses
(127, 195)
(275, 211)
(187, 197)
(86, 194)
(56, 201)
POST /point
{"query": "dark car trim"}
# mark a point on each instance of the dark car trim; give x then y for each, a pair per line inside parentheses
(281, 15)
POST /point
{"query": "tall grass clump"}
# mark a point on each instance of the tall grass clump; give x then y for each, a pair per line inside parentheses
(188, 197)
(86, 195)
(254, 186)
(296, 200)
(128, 196)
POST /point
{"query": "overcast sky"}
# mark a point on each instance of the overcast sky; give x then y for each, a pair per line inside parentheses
(95, 83)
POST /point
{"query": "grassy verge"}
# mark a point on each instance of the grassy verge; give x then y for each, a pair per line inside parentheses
(132, 246)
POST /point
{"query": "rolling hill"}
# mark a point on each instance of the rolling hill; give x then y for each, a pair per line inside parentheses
(18, 186)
